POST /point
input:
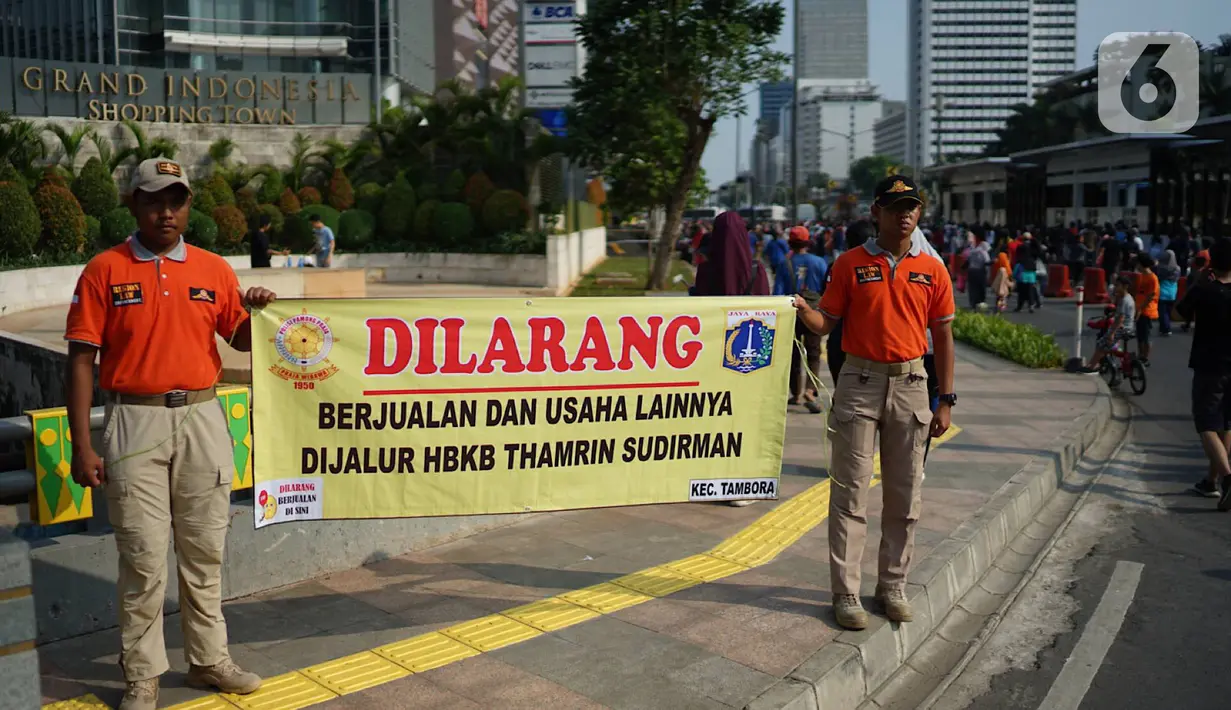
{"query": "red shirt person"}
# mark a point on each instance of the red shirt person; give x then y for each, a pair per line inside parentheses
(149, 310)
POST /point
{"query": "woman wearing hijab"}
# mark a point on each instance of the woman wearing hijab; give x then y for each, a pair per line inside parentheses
(729, 269)
(1002, 281)
(1168, 271)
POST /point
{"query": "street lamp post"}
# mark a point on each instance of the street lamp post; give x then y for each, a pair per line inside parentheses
(379, 95)
(793, 184)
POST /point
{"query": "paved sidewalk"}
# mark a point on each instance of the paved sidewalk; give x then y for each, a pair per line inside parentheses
(680, 643)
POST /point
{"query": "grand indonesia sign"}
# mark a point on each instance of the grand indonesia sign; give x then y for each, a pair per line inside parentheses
(110, 93)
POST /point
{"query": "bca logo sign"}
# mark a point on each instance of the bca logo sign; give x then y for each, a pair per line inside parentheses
(559, 12)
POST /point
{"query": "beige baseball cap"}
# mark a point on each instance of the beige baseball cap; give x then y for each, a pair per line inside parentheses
(158, 174)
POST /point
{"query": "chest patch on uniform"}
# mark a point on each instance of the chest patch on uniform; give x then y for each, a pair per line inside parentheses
(201, 294)
(868, 274)
(918, 278)
(126, 294)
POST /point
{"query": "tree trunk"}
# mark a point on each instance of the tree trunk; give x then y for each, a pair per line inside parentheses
(676, 202)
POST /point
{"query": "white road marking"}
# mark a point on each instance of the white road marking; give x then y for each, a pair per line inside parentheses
(1083, 664)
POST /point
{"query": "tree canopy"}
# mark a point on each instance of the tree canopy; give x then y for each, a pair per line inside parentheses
(656, 81)
(869, 170)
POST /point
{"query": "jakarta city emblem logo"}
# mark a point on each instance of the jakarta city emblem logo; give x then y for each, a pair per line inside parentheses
(749, 340)
(303, 343)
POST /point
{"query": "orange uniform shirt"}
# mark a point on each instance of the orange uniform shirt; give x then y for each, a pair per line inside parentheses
(154, 318)
(1147, 295)
(886, 308)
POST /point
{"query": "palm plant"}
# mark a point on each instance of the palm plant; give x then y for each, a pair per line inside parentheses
(303, 158)
(220, 152)
(106, 152)
(71, 143)
(144, 147)
(21, 144)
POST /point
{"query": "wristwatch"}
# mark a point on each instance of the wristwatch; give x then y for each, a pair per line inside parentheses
(949, 399)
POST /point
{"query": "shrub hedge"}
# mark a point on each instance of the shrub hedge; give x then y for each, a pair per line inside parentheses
(62, 218)
(308, 196)
(95, 190)
(397, 216)
(19, 220)
(341, 194)
(276, 219)
(232, 226)
(505, 211)
(93, 233)
(477, 191)
(202, 230)
(453, 223)
(289, 203)
(297, 234)
(424, 213)
(370, 197)
(1023, 344)
(355, 229)
(271, 188)
(116, 225)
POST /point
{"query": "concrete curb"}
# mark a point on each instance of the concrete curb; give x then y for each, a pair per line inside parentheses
(854, 665)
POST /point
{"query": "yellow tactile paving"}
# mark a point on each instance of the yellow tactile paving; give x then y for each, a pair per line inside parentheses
(706, 568)
(747, 553)
(606, 597)
(425, 652)
(208, 702)
(85, 702)
(491, 632)
(755, 545)
(285, 692)
(551, 614)
(354, 673)
(656, 581)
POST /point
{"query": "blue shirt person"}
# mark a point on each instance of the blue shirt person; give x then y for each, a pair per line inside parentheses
(775, 252)
(324, 242)
(801, 271)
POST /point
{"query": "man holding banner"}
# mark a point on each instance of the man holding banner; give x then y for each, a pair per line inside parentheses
(889, 293)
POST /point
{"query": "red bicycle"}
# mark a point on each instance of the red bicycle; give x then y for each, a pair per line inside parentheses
(1119, 363)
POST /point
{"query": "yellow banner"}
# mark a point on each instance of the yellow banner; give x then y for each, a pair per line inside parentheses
(389, 408)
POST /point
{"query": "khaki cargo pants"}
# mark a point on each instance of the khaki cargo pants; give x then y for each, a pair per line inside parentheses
(168, 470)
(873, 398)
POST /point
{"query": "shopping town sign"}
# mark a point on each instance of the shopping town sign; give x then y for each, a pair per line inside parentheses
(111, 93)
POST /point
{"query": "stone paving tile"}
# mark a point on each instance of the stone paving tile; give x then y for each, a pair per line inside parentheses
(494, 684)
(414, 692)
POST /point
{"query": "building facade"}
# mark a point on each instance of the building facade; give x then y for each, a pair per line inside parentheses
(477, 42)
(835, 39)
(889, 133)
(971, 62)
(259, 36)
(774, 96)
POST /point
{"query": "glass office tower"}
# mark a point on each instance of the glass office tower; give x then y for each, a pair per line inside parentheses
(305, 36)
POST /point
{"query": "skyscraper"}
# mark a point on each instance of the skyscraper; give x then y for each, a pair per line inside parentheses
(833, 39)
(970, 63)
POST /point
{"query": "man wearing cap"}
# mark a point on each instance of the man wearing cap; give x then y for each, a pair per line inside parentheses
(803, 274)
(149, 309)
(889, 293)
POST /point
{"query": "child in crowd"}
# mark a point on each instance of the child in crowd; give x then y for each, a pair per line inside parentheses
(1123, 320)
(1002, 281)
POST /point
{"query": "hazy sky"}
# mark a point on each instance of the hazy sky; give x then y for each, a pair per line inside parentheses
(1203, 19)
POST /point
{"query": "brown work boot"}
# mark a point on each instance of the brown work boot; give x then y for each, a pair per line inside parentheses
(893, 599)
(849, 612)
(140, 695)
(226, 676)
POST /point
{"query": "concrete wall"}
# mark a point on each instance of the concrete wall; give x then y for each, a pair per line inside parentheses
(32, 375)
(255, 145)
(19, 676)
(570, 256)
(75, 575)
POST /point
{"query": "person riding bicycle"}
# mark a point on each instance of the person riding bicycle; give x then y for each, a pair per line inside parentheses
(1120, 327)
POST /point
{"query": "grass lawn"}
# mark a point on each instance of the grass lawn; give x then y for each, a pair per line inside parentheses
(636, 268)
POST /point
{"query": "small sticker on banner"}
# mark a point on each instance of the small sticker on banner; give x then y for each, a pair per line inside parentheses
(288, 499)
(733, 489)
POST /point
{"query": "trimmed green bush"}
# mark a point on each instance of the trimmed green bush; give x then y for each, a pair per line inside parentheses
(53, 175)
(8, 173)
(1023, 344)
(370, 197)
(341, 194)
(202, 230)
(505, 211)
(454, 184)
(116, 225)
(328, 215)
(271, 188)
(424, 214)
(232, 226)
(246, 201)
(308, 196)
(397, 217)
(93, 231)
(288, 203)
(62, 218)
(355, 229)
(95, 189)
(452, 223)
(220, 193)
(297, 234)
(478, 189)
(19, 221)
(202, 199)
(428, 191)
(276, 219)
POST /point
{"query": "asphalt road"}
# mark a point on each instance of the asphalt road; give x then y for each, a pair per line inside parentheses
(1172, 649)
